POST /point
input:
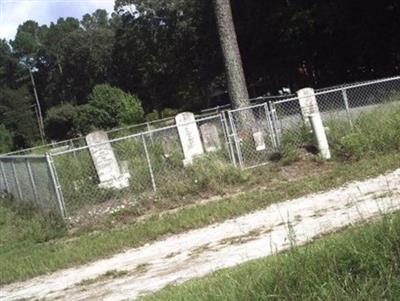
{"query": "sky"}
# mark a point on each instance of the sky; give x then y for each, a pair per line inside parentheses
(15, 12)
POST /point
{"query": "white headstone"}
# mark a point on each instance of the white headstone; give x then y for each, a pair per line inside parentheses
(259, 141)
(308, 102)
(189, 136)
(104, 160)
(311, 115)
(211, 141)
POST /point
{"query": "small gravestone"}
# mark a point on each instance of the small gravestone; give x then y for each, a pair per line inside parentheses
(308, 103)
(259, 141)
(190, 137)
(108, 170)
(211, 141)
(168, 146)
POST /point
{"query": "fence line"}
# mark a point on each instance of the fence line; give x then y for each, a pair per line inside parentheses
(152, 161)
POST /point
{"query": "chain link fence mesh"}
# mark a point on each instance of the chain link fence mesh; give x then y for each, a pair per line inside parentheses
(28, 180)
(153, 162)
(151, 157)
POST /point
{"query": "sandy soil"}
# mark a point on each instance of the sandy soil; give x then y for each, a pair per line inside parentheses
(199, 252)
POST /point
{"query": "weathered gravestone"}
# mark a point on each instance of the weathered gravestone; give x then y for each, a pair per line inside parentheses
(211, 141)
(308, 103)
(108, 170)
(189, 136)
(312, 116)
(259, 141)
(168, 146)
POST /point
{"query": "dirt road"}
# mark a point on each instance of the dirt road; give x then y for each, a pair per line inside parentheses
(199, 252)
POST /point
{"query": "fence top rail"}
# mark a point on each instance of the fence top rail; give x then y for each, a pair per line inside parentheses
(55, 154)
(247, 108)
(20, 153)
(344, 88)
(4, 157)
(82, 138)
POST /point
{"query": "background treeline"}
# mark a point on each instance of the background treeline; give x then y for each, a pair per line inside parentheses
(165, 55)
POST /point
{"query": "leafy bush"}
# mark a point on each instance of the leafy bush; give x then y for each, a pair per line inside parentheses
(153, 115)
(90, 118)
(59, 122)
(109, 107)
(168, 112)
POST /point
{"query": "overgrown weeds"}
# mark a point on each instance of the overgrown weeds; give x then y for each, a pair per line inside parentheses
(28, 224)
(372, 133)
(21, 258)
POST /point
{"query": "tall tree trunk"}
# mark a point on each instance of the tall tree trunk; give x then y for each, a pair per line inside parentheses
(230, 49)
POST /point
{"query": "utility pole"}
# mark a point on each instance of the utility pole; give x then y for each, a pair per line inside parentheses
(39, 110)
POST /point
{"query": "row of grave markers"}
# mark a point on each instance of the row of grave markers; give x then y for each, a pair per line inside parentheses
(193, 144)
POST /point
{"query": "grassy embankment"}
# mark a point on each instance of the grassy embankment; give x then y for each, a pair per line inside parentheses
(360, 263)
(32, 243)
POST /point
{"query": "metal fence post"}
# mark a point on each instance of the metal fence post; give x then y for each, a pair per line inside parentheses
(56, 185)
(271, 126)
(4, 177)
(226, 136)
(275, 124)
(153, 182)
(16, 180)
(32, 180)
(346, 104)
(235, 139)
(149, 130)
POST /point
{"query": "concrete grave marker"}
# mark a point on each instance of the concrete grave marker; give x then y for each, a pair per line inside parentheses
(259, 141)
(211, 141)
(312, 116)
(106, 164)
(308, 103)
(190, 137)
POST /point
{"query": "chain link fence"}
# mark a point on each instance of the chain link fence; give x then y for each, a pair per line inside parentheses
(151, 163)
(259, 131)
(31, 180)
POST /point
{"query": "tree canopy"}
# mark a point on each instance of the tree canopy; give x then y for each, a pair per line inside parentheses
(167, 53)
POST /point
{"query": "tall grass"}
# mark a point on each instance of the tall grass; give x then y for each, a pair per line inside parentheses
(22, 259)
(27, 225)
(362, 263)
(373, 133)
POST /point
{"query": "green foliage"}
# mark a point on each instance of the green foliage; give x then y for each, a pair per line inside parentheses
(19, 116)
(213, 173)
(168, 112)
(90, 118)
(6, 140)
(152, 116)
(290, 154)
(21, 223)
(103, 240)
(109, 107)
(370, 135)
(59, 122)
